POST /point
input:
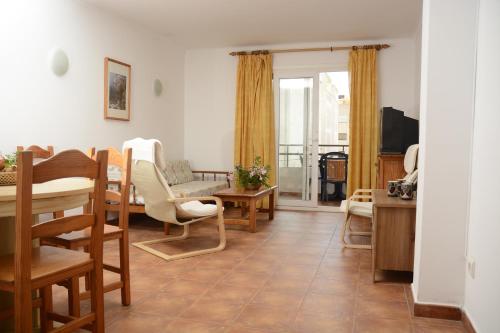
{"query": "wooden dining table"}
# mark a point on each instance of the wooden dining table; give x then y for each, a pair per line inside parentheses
(52, 196)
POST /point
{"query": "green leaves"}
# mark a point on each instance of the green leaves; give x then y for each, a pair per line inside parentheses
(257, 174)
(10, 160)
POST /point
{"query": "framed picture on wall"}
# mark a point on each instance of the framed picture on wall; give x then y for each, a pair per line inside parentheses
(116, 89)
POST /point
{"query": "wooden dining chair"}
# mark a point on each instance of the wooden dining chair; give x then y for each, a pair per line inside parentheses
(38, 152)
(42, 154)
(116, 201)
(38, 268)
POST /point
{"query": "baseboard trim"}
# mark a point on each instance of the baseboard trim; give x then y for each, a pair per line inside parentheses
(434, 310)
(467, 323)
(437, 311)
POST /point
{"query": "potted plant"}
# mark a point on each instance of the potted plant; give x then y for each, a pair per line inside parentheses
(9, 162)
(8, 166)
(254, 177)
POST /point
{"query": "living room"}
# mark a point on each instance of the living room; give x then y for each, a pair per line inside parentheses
(298, 251)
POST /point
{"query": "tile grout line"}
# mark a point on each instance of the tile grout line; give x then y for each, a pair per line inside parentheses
(270, 277)
(314, 277)
(179, 316)
(260, 288)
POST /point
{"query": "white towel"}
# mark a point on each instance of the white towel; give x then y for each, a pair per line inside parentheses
(150, 150)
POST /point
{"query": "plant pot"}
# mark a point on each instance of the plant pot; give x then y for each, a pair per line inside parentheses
(8, 178)
(252, 187)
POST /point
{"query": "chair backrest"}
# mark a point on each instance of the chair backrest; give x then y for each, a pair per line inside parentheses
(67, 164)
(39, 152)
(149, 180)
(333, 166)
(410, 160)
(123, 162)
(147, 150)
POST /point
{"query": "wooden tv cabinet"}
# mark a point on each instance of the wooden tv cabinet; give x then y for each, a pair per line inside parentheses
(393, 238)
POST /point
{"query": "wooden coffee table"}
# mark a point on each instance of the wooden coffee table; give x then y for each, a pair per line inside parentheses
(249, 198)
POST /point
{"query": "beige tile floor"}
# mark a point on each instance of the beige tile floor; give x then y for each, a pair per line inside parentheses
(290, 276)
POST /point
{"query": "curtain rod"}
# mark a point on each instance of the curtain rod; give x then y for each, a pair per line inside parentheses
(313, 49)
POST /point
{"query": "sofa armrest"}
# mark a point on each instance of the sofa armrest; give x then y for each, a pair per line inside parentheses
(214, 174)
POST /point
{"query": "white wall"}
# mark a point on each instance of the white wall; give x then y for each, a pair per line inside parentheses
(447, 102)
(210, 92)
(482, 293)
(37, 107)
(418, 63)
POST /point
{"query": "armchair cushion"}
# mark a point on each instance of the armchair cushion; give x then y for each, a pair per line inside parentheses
(199, 209)
(358, 208)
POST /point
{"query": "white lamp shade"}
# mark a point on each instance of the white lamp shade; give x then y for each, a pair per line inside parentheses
(157, 87)
(59, 62)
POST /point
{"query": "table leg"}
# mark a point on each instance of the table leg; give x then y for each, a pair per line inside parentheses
(252, 218)
(243, 208)
(271, 204)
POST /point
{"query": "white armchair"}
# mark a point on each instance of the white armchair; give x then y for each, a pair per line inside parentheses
(360, 203)
(161, 204)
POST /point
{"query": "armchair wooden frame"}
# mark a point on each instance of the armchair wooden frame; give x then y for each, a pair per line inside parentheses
(116, 201)
(29, 269)
(360, 195)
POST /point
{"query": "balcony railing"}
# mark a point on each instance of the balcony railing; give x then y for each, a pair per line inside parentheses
(292, 155)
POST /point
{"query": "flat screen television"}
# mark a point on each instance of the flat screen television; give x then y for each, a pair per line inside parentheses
(410, 133)
(397, 132)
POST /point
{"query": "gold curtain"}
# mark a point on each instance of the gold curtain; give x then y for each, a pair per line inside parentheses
(363, 121)
(254, 125)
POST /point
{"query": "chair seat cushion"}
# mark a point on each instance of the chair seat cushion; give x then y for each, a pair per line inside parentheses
(199, 209)
(46, 261)
(358, 208)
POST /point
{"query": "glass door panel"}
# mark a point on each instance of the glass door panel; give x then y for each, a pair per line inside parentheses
(333, 135)
(295, 102)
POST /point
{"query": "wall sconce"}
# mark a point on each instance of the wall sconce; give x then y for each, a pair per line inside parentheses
(157, 87)
(58, 61)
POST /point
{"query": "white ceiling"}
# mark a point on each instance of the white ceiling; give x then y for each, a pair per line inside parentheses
(219, 23)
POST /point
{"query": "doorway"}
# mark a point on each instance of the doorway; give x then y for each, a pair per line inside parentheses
(312, 136)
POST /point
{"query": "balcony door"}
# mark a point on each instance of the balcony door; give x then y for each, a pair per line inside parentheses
(310, 123)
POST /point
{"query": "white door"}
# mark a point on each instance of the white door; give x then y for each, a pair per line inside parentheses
(296, 96)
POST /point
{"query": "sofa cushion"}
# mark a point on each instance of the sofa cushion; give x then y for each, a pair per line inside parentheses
(169, 174)
(182, 171)
(199, 188)
(114, 172)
